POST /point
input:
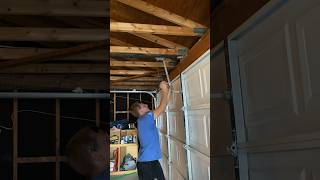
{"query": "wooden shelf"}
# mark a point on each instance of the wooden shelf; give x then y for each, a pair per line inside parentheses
(123, 145)
(122, 172)
(123, 149)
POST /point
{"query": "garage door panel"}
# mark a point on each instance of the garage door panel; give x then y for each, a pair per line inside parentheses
(164, 144)
(165, 167)
(267, 87)
(162, 122)
(175, 175)
(200, 166)
(197, 83)
(176, 125)
(293, 165)
(175, 103)
(179, 157)
(274, 60)
(308, 44)
(199, 134)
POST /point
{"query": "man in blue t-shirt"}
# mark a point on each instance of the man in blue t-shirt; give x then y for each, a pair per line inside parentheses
(148, 164)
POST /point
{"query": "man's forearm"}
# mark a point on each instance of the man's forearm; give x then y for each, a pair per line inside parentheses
(163, 103)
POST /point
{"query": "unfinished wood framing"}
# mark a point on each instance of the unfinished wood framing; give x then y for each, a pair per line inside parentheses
(51, 34)
(159, 40)
(150, 64)
(15, 138)
(98, 110)
(54, 8)
(150, 37)
(161, 13)
(58, 125)
(195, 52)
(155, 29)
(18, 53)
(57, 158)
(143, 79)
(58, 82)
(57, 69)
(134, 83)
(130, 72)
(118, 42)
(43, 159)
(52, 54)
(142, 50)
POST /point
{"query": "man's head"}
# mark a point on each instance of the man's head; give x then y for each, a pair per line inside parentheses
(87, 151)
(138, 109)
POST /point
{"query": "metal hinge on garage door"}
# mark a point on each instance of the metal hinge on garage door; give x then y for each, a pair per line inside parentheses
(224, 95)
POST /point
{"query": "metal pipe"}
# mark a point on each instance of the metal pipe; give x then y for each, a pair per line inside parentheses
(42, 95)
(166, 70)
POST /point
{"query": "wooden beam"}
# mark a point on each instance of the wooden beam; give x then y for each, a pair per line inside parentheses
(54, 8)
(58, 69)
(52, 34)
(119, 87)
(57, 82)
(130, 72)
(155, 39)
(155, 29)
(145, 74)
(161, 13)
(58, 122)
(144, 79)
(146, 64)
(98, 110)
(15, 138)
(118, 42)
(134, 84)
(44, 159)
(142, 50)
(52, 54)
(160, 41)
(16, 53)
(194, 53)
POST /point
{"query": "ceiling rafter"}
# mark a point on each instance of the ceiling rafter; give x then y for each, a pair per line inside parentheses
(161, 13)
(143, 51)
(146, 64)
(16, 53)
(52, 54)
(156, 39)
(57, 69)
(156, 29)
(51, 34)
(55, 8)
(118, 42)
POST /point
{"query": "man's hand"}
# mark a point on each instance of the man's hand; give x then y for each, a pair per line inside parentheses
(164, 86)
(164, 89)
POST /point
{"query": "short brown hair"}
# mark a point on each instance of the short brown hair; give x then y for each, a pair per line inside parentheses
(79, 150)
(134, 108)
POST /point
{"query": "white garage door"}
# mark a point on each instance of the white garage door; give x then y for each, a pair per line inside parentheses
(196, 96)
(275, 66)
(178, 155)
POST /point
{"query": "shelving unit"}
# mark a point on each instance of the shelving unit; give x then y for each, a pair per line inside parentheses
(123, 149)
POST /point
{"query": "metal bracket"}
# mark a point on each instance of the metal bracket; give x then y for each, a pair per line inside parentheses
(182, 52)
(200, 31)
(225, 95)
(233, 149)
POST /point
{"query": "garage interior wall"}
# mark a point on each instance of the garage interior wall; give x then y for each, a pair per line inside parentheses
(44, 126)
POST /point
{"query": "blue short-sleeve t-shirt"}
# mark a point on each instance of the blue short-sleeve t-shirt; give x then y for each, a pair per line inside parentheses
(149, 138)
